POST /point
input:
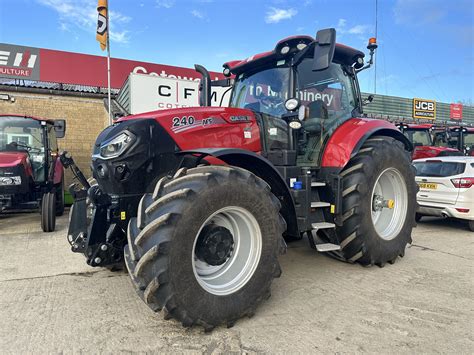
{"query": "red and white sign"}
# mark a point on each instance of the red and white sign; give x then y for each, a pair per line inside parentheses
(455, 112)
(19, 62)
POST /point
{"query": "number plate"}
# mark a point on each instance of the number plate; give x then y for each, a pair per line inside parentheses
(424, 185)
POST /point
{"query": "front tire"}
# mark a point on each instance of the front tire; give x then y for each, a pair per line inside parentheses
(48, 212)
(204, 245)
(378, 203)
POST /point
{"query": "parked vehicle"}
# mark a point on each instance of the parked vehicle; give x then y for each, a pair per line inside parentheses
(420, 135)
(456, 137)
(31, 174)
(201, 197)
(446, 188)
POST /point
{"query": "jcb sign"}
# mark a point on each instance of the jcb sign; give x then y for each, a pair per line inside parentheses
(424, 109)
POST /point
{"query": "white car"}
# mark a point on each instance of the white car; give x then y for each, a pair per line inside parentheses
(446, 188)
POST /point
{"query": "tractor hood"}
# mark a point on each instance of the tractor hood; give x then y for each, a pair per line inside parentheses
(130, 155)
(15, 170)
(11, 159)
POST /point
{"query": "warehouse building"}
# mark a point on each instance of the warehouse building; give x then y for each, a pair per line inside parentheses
(72, 86)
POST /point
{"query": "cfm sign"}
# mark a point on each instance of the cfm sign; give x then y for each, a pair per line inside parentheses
(423, 108)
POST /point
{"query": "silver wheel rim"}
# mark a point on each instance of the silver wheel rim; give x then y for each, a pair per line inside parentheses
(240, 266)
(389, 186)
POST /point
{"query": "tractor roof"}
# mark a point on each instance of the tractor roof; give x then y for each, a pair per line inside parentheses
(25, 116)
(343, 54)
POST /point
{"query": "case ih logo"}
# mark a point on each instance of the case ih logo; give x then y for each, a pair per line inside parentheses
(424, 109)
(19, 62)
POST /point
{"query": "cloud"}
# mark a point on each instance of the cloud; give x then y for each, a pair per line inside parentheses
(341, 23)
(120, 37)
(419, 12)
(359, 30)
(167, 4)
(198, 14)
(82, 14)
(275, 15)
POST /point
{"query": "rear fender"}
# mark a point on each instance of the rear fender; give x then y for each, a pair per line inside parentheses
(262, 168)
(348, 138)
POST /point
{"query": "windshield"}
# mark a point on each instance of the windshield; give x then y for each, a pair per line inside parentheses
(438, 168)
(418, 137)
(264, 91)
(19, 134)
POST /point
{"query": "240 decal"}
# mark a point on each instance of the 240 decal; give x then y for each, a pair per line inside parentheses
(186, 122)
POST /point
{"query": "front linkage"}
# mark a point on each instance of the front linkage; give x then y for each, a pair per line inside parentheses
(97, 220)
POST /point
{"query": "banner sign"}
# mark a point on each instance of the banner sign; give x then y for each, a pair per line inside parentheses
(143, 93)
(425, 109)
(455, 112)
(19, 62)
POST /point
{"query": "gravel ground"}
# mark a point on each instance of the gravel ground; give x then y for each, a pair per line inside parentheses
(52, 302)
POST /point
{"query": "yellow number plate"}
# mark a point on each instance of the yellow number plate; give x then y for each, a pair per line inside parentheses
(424, 185)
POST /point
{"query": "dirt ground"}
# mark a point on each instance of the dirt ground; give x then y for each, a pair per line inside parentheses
(52, 302)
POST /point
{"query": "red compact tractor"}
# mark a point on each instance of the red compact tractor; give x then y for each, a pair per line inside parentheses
(200, 201)
(420, 135)
(31, 174)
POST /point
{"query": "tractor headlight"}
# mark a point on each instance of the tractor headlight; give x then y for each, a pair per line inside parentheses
(10, 180)
(116, 146)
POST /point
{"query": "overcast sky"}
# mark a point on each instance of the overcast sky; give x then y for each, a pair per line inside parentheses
(426, 46)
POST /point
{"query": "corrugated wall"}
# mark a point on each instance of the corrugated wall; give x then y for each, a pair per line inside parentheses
(396, 107)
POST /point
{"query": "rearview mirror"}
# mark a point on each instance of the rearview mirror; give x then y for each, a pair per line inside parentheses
(368, 100)
(60, 128)
(324, 48)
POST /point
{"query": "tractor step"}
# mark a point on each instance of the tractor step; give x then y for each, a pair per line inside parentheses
(322, 225)
(320, 204)
(322, 248)
(317, 183)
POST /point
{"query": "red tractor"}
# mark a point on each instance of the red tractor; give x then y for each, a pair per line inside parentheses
(460, 138)
(420, 135)
(202, 199)
(31, 174)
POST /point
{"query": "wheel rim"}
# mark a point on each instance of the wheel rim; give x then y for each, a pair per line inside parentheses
(239, 266)
(389, 204)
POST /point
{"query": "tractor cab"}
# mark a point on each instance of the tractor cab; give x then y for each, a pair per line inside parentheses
(460, 138)
(298, 101)
(22, 140)
(427, 140)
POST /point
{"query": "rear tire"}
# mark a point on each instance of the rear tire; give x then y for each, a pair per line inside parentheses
(60, 199)
(48, 212)
(371, 234)
(471, 225)
(164, 257)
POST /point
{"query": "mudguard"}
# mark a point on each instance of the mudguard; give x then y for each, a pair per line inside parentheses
(264, 169)
(351, 135)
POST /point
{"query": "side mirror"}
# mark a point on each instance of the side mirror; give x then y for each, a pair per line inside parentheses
(60, 128)
(324, 48)
(368, 100)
